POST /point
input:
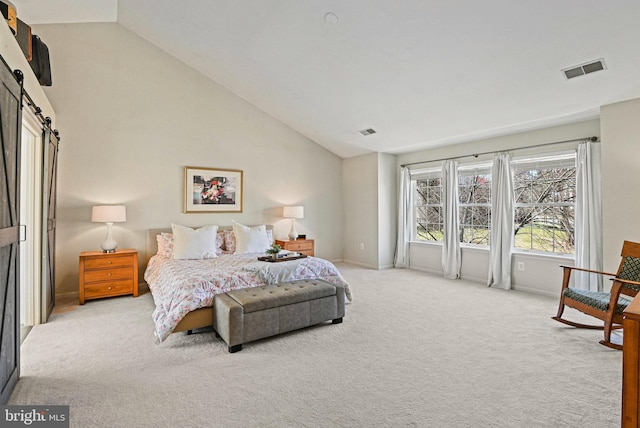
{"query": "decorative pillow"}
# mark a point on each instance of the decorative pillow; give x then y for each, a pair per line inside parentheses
(220, 241)
(229, 241)
(250, 239)
(192, 244)
(165, 244)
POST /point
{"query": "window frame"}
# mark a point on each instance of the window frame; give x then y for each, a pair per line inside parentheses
(422, 175)
(474, 170)
(544, 161)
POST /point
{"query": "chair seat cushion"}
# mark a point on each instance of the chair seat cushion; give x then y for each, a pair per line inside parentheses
(596, 299)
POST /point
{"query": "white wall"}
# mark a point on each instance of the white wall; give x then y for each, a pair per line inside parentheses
(360, 205)
(387, 209)
(620, 184)
(131, 117)
(370, 207)
(541, 273)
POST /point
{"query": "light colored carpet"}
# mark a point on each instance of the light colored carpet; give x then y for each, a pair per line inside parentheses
(414, 350)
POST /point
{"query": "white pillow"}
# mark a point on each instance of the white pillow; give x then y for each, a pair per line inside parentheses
(250, 239)
(191, 243)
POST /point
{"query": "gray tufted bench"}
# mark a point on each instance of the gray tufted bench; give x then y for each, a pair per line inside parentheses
(255, 313)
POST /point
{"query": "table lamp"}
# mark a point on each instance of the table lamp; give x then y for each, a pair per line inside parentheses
(109, 214)
(293, 213)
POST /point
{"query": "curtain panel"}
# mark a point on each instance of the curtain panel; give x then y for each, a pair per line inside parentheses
(451, 255)
(405, 202)
(502, 217)
(588, 221)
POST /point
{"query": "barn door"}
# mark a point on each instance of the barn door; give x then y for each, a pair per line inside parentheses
(49, 220)
(10, 126)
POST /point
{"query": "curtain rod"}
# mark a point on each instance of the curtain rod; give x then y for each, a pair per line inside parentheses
(475, 155)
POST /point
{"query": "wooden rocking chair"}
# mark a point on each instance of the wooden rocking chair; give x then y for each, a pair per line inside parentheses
(607, 307)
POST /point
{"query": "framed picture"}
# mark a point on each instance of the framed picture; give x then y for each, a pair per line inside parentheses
(212, 190)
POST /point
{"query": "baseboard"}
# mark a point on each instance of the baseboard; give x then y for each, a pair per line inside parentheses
(360, 264)
(69, 295)
(431, 271)
(536, 291)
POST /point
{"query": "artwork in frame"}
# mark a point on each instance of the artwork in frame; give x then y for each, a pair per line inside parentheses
(208, 190)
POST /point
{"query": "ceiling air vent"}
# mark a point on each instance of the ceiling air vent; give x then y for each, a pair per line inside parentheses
(581, 70)
(367, 131)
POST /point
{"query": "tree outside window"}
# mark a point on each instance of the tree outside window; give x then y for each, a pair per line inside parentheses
(545, 205)
(544, 191)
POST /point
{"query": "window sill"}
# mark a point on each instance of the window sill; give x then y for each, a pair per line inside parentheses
(516, 252)
(540, 255)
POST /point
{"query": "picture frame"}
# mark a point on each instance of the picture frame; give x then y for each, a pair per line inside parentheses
(212, 190)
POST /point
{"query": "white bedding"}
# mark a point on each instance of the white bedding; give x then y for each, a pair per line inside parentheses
(181, 286)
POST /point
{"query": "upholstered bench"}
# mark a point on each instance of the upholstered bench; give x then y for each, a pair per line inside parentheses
(250, 314)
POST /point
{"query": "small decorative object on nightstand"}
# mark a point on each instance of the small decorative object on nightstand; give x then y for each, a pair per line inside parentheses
(108, 274)
(302, 246)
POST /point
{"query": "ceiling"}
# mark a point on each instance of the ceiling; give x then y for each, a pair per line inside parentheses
(422, 73)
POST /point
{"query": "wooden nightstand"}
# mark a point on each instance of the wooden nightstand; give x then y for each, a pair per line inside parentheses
(303, 246)
(108, 274)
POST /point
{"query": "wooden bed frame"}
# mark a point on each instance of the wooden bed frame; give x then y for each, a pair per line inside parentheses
(199, 318)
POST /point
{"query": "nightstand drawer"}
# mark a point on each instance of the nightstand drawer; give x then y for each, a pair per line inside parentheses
(304, 246)
(299, 246)
(108, 274)
(109, 288)
(107, 262)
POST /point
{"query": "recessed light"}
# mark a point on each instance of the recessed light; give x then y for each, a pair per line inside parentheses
(331, 18)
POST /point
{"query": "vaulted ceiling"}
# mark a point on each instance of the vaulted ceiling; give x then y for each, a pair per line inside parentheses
(421, 73)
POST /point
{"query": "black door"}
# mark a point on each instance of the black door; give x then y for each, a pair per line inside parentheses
(49, 218)
(10, 126)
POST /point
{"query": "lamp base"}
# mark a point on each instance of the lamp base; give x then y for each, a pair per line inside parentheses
(109, 245)
(293, 233)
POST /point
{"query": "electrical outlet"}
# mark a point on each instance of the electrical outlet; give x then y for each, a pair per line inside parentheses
(362, 245)
(520, 265)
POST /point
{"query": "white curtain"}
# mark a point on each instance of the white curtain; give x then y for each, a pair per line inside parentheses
(588, 224)
(451, 256)
(502, 206)
(404, 220)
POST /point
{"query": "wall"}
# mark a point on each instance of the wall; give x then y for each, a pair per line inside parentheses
(620, 124)
(360, 210)
(370, 203)
(541, 274)
(132, 116)
(387, 209)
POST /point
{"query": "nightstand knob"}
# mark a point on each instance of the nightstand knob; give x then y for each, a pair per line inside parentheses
(109, 288)
(109, 262)
(108, 274)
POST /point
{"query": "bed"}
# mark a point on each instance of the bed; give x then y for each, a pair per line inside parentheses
(183, 290)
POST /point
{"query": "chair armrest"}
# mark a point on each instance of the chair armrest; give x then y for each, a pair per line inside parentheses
(626, 281)
(587, 270)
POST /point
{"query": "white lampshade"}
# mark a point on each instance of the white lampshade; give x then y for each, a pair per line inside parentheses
(109, 214)
(293, 212)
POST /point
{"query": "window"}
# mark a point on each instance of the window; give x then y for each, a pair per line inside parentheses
(545, 190)
(428, 206)
(474, 206)
(544, 216)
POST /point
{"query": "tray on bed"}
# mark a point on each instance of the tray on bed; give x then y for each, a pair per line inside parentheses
(281, 259)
